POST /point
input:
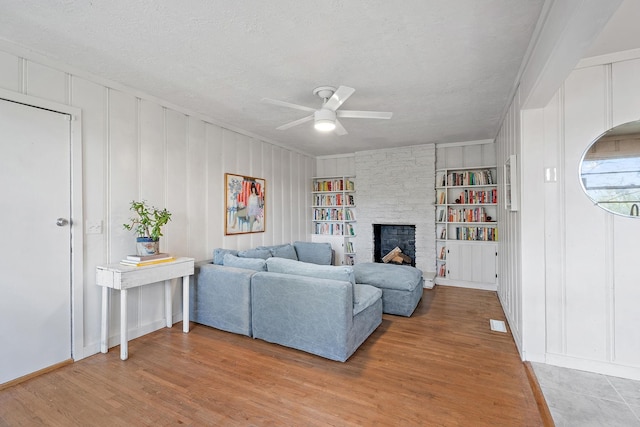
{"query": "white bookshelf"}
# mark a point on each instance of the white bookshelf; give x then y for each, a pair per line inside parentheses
(334, 216)
(466, 227)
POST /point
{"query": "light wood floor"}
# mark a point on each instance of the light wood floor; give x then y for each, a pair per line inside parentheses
(441, 367)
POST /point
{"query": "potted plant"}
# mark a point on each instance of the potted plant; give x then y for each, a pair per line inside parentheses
(148, 226)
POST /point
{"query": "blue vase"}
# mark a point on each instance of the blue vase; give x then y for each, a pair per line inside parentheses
(147, 246)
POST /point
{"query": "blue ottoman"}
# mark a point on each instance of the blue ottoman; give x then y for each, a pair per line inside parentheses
(401, 285)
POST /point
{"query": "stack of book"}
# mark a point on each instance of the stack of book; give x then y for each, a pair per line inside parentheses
(142, 260)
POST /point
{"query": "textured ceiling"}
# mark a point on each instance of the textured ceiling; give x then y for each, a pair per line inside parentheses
(444, 68)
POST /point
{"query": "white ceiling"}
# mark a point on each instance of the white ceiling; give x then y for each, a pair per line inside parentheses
(445, 69)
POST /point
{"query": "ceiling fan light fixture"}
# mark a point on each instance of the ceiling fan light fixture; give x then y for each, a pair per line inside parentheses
(324, 125)
(325, 120)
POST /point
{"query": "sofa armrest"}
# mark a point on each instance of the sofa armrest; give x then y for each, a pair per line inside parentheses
(310, 314)
(221, 298)
(199, 264)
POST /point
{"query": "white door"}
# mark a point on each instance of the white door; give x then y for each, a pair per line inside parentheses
(35, 254)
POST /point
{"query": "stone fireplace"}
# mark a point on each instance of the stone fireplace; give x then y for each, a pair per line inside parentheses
(386, 237)
(397, 187)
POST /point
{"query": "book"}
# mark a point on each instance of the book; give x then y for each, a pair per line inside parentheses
(145, 263)
(139, 258)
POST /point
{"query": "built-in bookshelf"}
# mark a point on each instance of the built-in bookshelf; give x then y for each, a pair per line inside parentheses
(334, 216)
(466, 224)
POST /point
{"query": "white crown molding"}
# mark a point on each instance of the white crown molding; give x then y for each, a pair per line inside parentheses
(32, 55)
(335, 156)
(464, 143)
(609, 58)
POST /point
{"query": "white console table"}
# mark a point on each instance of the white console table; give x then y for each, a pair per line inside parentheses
(123, 278)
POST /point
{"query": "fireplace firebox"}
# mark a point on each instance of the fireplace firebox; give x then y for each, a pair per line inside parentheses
(387, 237)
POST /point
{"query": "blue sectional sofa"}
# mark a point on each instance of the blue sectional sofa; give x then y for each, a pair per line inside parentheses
(292, 295)
(311, 306)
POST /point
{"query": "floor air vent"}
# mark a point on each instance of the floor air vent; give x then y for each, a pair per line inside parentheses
(497, 325)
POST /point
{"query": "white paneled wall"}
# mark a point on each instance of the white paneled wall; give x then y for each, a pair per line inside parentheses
(509, 267)
(580, 290)
(343, 165)
(134, 147)
(466, 154)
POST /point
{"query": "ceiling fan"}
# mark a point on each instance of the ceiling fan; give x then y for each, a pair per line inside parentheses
(326, 118)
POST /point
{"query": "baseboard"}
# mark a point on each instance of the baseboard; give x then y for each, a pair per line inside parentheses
(114, 340)
(599, 367)
(465, 284)
(35, 374)
(541, 402)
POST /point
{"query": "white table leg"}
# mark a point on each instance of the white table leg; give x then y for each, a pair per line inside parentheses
(168, 313)
(104, 329)
(124, 343)
(185, 304)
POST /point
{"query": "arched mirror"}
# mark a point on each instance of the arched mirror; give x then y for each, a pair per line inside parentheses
(610, 170)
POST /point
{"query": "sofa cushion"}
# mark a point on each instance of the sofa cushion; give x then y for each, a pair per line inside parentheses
(288, 266)
(255, 253)
(281, 251)
(257, 264)
(364, 296)
(314, 252)
(388, 276)
(219, 253)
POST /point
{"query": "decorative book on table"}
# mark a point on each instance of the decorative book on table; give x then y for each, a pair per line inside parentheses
(142, 260)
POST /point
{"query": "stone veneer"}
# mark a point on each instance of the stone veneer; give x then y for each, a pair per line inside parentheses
(397, 186)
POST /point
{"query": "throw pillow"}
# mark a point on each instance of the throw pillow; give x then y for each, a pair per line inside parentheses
(219, 253)
(257, 264)
(317, 253)
(284, 251)
(255, 253)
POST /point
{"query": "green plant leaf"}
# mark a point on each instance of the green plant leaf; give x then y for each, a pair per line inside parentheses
(148, 221)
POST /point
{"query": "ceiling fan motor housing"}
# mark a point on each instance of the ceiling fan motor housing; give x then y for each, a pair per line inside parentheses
(324, 119)
(324, 114)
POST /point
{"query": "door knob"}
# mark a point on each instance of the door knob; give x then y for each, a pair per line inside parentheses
(61, 222)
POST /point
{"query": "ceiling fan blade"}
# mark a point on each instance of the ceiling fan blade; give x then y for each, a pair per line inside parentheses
(338, 97)
(295, 123)
(352, 114)
(340, 130)
(287, 104)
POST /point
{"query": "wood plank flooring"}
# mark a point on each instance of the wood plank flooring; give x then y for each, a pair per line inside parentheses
(441, 367)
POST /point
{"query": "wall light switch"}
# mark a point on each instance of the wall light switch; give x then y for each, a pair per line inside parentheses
(550, 175)
(93, 227)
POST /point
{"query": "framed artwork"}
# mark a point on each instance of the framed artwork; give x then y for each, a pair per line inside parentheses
(244, 205)
(510, 184)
